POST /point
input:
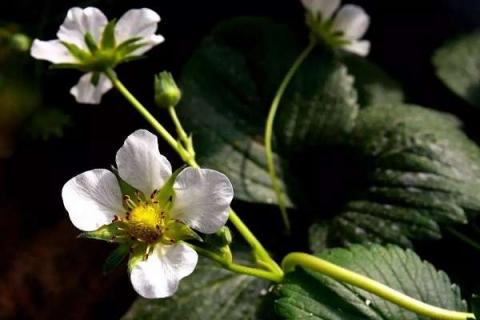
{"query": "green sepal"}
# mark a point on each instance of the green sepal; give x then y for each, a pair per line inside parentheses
(221, 238)
(78, 53)
(476, 306)
(90, 42)
(166, 193)
(137, 254)
(219, 243)
(95, 78)
(127, 47)
(109, 233)
(108, 36)
(178, 231)
(116, 258)
(125, 188)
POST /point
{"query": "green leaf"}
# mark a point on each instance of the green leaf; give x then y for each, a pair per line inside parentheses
(320, 106)
(309, 295)
(423, 173)
(458, 66)
(231, 80)
(209, 293)
(116, 258)
(374, 86)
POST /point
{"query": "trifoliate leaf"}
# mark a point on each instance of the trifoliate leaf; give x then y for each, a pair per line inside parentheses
(209, 293)
(310, 295)
(458, 66)
(424, 173)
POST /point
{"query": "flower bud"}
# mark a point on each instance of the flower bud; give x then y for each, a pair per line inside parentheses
(20, 42)
(221, 238)
(167, 94)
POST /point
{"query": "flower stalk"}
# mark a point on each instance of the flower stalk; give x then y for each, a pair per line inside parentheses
(259, 251)
(269, 130)
(295, 259)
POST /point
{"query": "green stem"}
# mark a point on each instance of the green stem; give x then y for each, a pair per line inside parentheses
(471, 242)
(259, 250)
(189, 158)
(182, 134)
(237, 268)
(269, 130)
(338, 273)
(143, 111)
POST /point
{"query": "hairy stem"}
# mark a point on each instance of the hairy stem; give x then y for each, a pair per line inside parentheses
(269, 131)
(295, 259)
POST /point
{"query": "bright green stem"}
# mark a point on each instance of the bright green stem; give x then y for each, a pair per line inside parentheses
(145, 113)
(338, 273)
(251, 271)
(269, 131)
(189, 158)
(182, 134)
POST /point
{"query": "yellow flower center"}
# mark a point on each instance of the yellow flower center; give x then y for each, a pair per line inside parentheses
(146, 222)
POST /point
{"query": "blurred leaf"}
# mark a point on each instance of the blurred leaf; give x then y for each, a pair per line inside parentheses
(424, 173)
(48, 124)
(209, 293)
(309, 295)
(476, 306)
(458, 66)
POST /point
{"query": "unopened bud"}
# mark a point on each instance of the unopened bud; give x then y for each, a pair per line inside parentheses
(167, 94)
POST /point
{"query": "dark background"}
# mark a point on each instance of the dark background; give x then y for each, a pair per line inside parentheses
(45, 272)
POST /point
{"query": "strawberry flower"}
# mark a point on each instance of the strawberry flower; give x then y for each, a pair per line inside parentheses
(339, 27)
(150, 211)
(87, 41)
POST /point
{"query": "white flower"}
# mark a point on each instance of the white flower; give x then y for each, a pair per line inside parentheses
(159, 216)
(87, 41)
(345, 29)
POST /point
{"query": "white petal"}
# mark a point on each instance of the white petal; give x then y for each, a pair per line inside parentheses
(352, 20)
(325, 8)
(92, 199)
(53, 51)
(136, 23)
(362, 48)
(86, 92)
(140, 163)
(80, 21)
(202, 199)
(159, 275)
